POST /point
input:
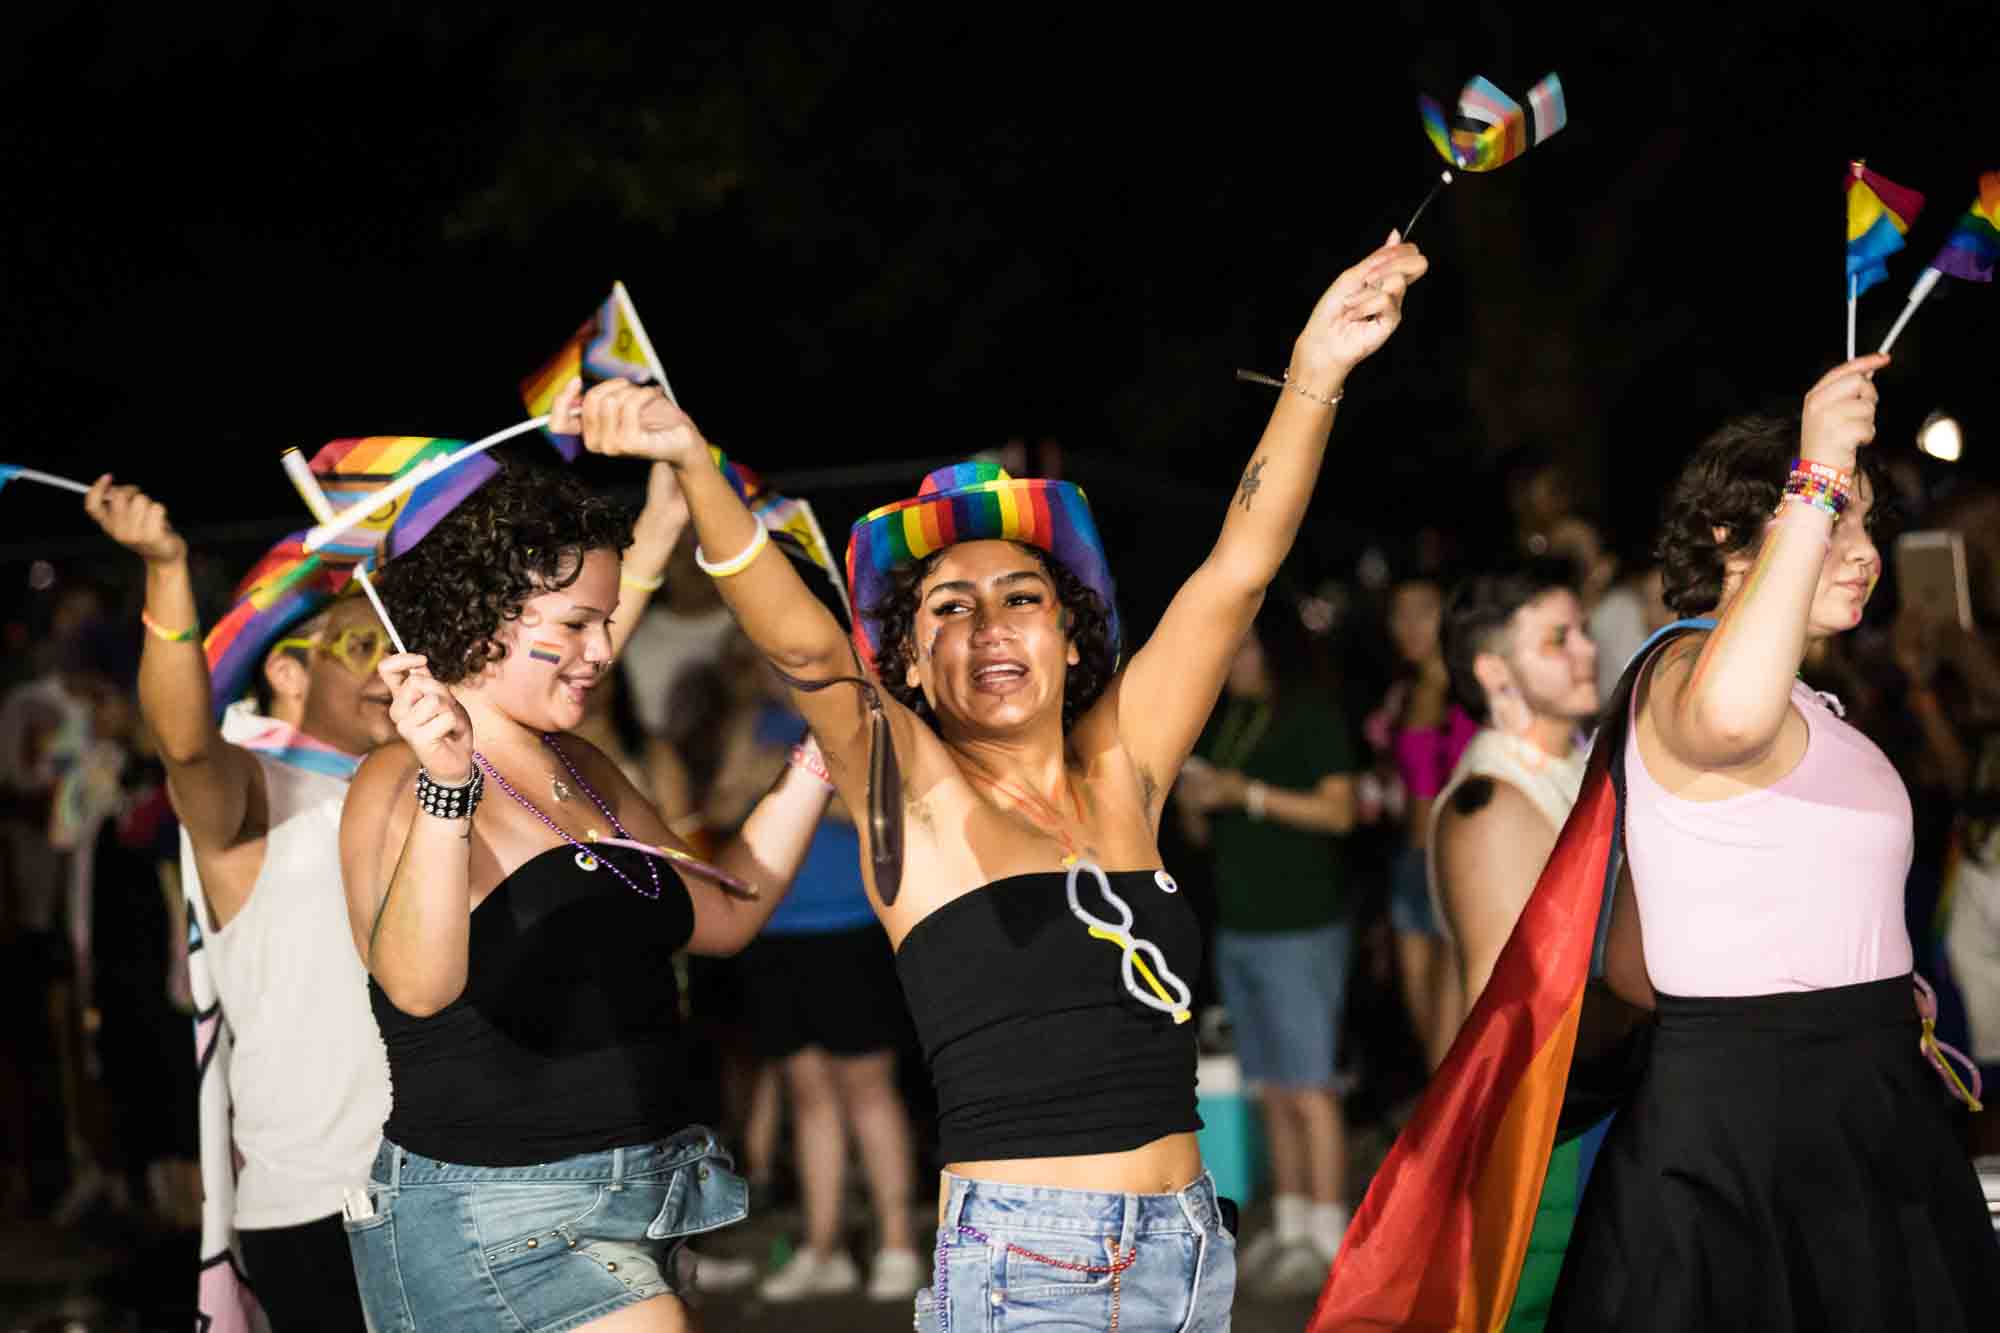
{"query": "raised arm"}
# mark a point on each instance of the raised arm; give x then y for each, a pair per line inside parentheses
(213, 782)
(408, 874)
(1721, 707)
(1178, 674)
(658, 530)
(773, 605)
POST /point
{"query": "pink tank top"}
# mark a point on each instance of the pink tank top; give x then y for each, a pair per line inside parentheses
(1795, 887)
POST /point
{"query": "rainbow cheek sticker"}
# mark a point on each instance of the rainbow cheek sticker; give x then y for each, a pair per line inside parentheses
(543, 651)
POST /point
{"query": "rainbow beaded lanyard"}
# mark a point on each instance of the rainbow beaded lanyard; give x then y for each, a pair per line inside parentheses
(1136, 951)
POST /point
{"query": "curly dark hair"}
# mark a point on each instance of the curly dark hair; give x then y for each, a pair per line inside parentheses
(1734, 482)
(522, 534)
(1089, 628)
(1479, 610)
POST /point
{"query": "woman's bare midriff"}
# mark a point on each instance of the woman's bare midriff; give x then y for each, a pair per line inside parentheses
(1164, 1166)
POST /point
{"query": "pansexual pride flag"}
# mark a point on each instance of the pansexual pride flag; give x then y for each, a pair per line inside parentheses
(1879, 214)
(1440, 1241)
(1492, 129)
(611, 345)
(1969, 252)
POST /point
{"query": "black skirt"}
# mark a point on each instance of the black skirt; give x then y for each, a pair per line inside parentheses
(1786, 1162)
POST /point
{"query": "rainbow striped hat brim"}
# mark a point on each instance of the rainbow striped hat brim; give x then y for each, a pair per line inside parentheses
(287, 585)
(968, 502)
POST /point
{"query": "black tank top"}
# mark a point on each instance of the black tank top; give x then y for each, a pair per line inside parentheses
(1035, 1046)
(567, 1038)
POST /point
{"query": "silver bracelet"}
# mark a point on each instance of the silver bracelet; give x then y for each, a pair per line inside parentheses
(1303, 392)
(454, 802)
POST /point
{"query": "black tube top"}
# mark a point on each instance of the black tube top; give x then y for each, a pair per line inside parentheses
(567, 1038)
(1035, 1046)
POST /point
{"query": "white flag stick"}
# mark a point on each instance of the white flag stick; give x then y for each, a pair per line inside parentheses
(409, 481)
(301, 473)
(8, 472)
(1922, 288)
(1853, 293)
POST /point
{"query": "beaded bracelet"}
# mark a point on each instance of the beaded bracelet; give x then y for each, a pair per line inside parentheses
(165, 635)
(643, 585)
(454, 802)
(807, 758)
(1821, 491)
(737, 563)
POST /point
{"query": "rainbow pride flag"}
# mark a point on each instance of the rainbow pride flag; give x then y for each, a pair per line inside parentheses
(1441, 1239)
(610, 345)
(1879, 214)
(1974, 244)
(1491, 129)
(349, 471)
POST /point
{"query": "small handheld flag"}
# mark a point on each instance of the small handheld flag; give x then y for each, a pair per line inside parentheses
(611, 345)
(384, 470)
(1967, 254)
(786, 516)
(1490, 129)
(1879, 214)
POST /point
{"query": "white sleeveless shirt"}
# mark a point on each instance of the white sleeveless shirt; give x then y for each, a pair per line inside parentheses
(1550, 784)
(307, 1074)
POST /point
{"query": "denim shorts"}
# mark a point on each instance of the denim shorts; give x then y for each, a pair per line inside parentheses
(535, 1249)
(1035, 1257)
(1410, 894)
(1285, 991)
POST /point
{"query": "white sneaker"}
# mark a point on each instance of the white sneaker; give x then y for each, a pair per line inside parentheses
(898, 1275)
(1299, 1271)
(718, 1272)
(1254, 1259)
(806, 1275)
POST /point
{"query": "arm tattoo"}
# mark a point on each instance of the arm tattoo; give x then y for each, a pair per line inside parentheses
(1251, 482)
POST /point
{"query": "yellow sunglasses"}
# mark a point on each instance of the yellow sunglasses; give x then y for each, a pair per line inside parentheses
(357, 648)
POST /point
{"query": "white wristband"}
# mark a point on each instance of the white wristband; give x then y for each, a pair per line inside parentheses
(1253, 799)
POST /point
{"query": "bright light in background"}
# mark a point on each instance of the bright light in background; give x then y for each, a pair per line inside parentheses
(1940, 438)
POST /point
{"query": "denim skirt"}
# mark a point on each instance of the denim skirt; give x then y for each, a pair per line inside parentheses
(1035, 1257)
(535, 1249)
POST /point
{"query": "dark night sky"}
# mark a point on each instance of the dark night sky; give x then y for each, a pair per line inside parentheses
(887, 236)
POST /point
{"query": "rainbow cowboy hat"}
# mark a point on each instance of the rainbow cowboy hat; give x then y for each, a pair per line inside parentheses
(969, 502)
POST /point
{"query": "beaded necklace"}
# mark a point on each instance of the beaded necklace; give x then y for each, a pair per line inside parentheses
(585, 858)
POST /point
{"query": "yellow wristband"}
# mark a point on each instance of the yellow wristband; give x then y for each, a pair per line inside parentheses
(165, 635)
(643, 585)
(737, 563)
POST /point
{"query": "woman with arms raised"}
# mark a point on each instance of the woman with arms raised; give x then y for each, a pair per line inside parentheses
(1040, 944)
(538, 1169)
(1786, 1160)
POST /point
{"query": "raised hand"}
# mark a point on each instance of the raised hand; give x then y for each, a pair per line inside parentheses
(429, 719)
(1357, 315)
(1839, 413)
(625, 420)
(135, 521)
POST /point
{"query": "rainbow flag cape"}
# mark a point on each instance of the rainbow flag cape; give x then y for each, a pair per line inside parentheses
(1442, 1236)
(1879, 214)
(610, 345)
(1969, 252)
(1490, 129)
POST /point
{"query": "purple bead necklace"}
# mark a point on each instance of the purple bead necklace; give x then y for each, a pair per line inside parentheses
(585, 858)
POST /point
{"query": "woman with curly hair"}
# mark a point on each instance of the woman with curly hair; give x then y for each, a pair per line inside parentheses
(538, 1169)
(1014, 776)
(1787, 1160)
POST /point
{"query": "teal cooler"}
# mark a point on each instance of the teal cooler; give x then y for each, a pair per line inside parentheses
(1232, 1133)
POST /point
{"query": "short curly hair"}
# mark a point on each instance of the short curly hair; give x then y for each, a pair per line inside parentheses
(1734, 482)
(1478, 612)
(1089, 628)
(523, 533)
